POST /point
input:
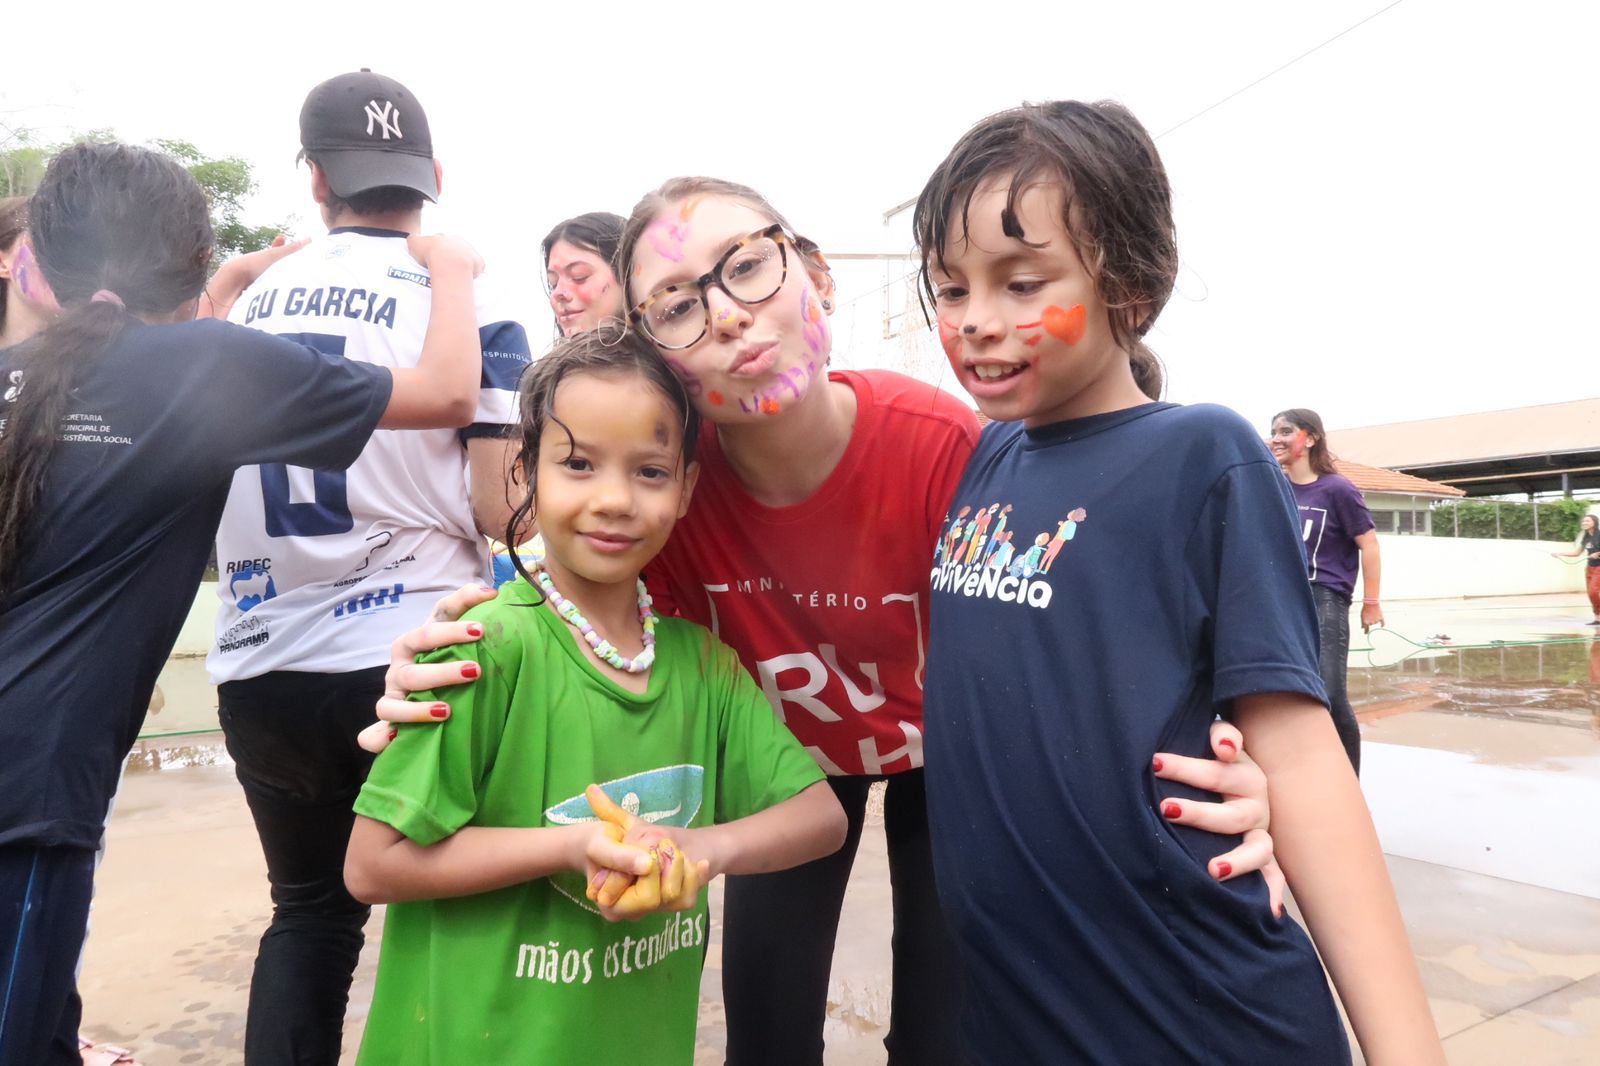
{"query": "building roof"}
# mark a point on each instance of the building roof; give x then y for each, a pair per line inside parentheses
(1546, 448)
(1518, 432)
(1377, 479)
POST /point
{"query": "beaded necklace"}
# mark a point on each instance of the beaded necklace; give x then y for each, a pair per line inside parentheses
(602, 647)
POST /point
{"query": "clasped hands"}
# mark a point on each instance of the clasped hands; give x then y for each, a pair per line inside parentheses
(671, 880)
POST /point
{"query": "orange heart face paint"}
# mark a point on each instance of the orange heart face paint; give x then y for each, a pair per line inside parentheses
(1065, 326)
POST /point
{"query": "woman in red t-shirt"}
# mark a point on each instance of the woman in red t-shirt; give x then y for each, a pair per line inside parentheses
(807, 549)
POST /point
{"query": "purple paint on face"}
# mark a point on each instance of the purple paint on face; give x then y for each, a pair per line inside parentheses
(30, 280)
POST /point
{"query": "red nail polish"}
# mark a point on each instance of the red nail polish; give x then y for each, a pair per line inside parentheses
(1224, 870)
(1155, 763)
(440, 710)
(474, 629)
(393, 733)
(1171, 810)
(1227, 742)
(470, 670)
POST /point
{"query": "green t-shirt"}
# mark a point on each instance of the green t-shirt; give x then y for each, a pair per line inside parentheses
(532, 973)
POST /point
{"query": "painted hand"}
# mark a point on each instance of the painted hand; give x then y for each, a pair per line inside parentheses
(673, 880)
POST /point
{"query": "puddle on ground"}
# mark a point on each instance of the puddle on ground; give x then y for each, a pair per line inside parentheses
(1521, 704)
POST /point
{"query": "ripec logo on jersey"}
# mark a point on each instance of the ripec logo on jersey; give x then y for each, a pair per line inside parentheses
(387, 117)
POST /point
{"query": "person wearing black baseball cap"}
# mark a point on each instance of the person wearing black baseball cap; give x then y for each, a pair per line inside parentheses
(365, 131)
(321, 570)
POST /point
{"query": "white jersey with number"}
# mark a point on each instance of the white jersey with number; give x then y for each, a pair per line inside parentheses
(318, 570)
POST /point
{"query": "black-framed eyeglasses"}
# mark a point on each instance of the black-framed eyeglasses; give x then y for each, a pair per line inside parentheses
(751, 272)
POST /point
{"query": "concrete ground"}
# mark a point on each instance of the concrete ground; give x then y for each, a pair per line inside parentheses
(1481, 764)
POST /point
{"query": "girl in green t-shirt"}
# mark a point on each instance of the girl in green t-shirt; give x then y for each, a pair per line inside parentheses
(607, 764)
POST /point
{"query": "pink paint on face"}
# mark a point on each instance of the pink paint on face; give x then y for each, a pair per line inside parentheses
(691, 384)
(812, 324)
(667, 237)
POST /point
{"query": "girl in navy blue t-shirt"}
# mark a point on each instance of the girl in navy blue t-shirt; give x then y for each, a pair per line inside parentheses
(1171, 587)
(121, 426)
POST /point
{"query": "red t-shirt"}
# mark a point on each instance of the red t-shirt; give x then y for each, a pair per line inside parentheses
(826, 602)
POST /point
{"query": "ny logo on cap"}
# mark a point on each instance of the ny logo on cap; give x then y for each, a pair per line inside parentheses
(387, 118)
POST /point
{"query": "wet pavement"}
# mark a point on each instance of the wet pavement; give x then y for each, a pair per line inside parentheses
(1481, 762)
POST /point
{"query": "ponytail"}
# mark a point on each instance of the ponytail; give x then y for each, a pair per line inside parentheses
(1148, 373)
(111, 226)
(47, 367)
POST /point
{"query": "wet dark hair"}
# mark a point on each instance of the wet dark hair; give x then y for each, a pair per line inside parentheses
(107, 216)
(13, 223)
(598, 231)
(379, 200)
(1118, 209)
(607, 350)
(675, 190)
(1304, 418)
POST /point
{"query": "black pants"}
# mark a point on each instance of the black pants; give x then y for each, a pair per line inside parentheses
(44, 903)
(1333, 626)
(779, 930)
(292, 737)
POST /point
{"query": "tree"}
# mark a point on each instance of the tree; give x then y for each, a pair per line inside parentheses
(226, 182)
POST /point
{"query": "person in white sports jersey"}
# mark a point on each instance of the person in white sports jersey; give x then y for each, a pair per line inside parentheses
(318, 569)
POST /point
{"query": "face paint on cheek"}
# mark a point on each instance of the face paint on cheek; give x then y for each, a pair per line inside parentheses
(715, 397)
(686, 211)
(1066, 326)
(950, 340)
(811, 322)
(30, 280)
(770, 407)
(691, 384)
(1297, 444)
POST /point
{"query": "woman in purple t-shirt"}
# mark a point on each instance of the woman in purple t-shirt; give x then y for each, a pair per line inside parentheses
(1339, 537)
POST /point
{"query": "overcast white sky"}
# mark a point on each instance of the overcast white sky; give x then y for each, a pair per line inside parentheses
(1400, 225)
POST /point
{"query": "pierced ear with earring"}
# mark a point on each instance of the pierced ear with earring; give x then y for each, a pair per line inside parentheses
(827, 305)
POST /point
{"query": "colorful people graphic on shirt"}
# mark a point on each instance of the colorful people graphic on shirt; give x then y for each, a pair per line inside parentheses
(1065, 532)
(979, 532)
(948, 543)
(1000, 551)
(994, 534)
(1028, 563)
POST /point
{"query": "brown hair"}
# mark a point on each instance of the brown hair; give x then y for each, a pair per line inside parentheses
(13, 223)
(1118, 211)
(1304, 418)
(676, 190)
(106, 217)
(608, 349)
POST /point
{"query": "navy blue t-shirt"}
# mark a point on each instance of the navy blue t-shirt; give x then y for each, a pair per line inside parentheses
(1154, 574)
(153, 431)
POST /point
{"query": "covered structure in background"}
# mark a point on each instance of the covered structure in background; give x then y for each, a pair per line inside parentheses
(1400, 503)
(1550, 448)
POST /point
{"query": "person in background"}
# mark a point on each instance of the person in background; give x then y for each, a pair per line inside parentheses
(1588, 546)
(1339, 539)
(579, 270)
(320, 568)
(25, 300)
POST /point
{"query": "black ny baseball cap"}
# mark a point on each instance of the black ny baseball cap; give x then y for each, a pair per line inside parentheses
(366, 131)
